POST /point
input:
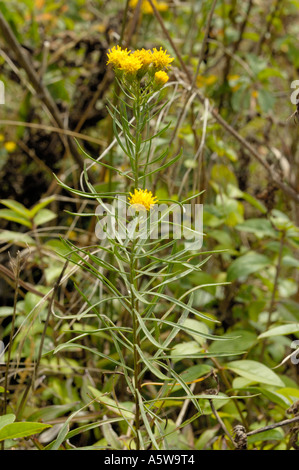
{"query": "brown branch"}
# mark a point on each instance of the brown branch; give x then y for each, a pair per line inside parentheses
(241, 435)
(235, 47)
(36, 82)
(67, 132)
(17, 267)
(285, 422)
(160, 20)
(268, 26)
(221, 423)
(35, 371)
(204, 42)
(288, 190)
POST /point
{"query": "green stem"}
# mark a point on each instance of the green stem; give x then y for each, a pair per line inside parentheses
(137, 136)
(136, 344)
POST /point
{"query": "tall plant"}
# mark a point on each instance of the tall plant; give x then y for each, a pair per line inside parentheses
(137, 259)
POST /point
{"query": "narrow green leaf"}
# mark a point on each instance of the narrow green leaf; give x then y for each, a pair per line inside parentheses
(16, 207)
(40, 205)
(150, 363)
(13, 216)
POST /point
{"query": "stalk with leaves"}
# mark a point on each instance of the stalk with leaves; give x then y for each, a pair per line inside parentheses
(134, 266)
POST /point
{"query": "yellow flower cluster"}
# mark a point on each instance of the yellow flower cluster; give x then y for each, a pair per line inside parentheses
(145, 60)
(8, 145)
(144, 55)
(161, 59)
(146, 7)
(144, 198)
(117, 56)
(130, 64)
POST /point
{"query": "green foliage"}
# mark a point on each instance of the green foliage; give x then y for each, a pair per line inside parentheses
(131, 342)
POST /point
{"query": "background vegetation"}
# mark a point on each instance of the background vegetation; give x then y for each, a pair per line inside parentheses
(228, 108)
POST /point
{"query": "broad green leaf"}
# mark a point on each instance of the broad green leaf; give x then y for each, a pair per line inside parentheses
(22, 429)
(241, 98)
(247, 264)
(281, 330)
(290, 393)
(43, 216)
(6, 419)
(274, 396)
(223, 176)
(223, 238)
(219, 401)
(243, 340)
(255, 371)
(266, 100)
(185, 349)
(270, 72)
(289, 261)
(195, 325)
(6, 311)
(259, 227)
(256, 63)
(281, 220)
(271, 435)
(271, 395)
(16, 237)
(287, 287)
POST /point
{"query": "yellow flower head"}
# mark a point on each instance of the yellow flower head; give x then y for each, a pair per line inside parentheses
(202, 81)
(10, 146)
(144, 55)
(161, 59)
(130, 64)
(161, 77)
(147, 8)
(143, 197)
(117, 55)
